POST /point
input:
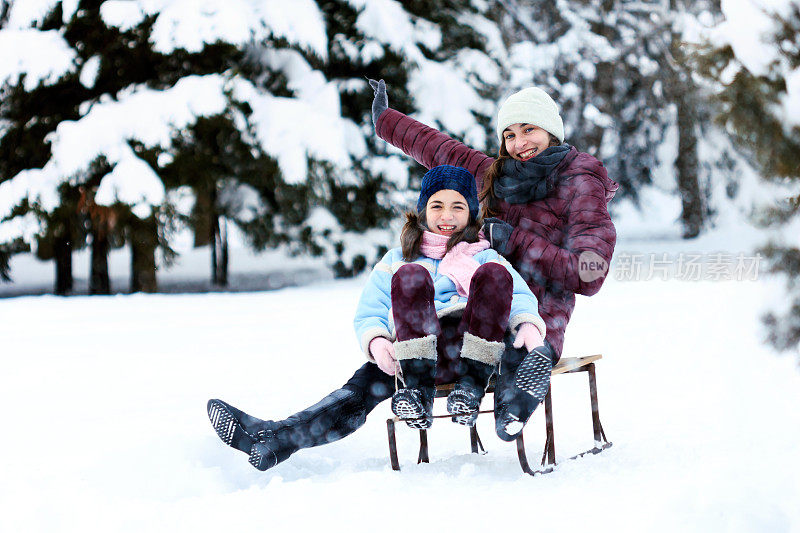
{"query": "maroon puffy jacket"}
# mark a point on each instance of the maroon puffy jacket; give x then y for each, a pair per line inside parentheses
(550, 234)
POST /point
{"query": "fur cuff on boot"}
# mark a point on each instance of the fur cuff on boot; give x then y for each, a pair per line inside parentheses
(479, 349)
(421, 348)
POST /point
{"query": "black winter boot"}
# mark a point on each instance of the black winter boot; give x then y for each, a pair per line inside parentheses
(414, 403)
(269, 443)
(522, 384)
(533, 374)
(465, 399)
(239, 430)
(236, 428)
(477, 362)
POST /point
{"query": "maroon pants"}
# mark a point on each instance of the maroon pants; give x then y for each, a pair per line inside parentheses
(485, 316)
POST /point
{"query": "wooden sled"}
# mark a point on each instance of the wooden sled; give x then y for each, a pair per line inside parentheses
(567, 365)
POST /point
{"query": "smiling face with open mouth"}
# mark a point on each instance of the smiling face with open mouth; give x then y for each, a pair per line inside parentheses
(447, 212)
(525, 141)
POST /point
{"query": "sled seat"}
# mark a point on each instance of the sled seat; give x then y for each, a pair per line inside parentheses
(567, 365)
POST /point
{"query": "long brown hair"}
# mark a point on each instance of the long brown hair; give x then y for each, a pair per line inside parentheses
(486, 195)
(415, 226)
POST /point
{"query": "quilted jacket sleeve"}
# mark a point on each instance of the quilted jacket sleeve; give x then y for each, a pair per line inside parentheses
(372, 313)
(430, 147)
(577, 261)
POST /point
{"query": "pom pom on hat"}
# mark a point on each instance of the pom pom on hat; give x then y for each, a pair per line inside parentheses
(449, 177)
(530, 106)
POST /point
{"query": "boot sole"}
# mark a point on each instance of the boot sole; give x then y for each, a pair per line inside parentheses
(533, 375)
(261, 457)
(223, 422)
(511, 427)
(465, 414)
(228, 429)
(411, 413)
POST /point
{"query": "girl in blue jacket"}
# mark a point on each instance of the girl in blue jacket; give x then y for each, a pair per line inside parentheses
(444, 296)
(441, 308)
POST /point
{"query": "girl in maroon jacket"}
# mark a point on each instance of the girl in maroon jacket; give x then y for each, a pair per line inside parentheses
(546, 209)
(548, 199)
(550, 220)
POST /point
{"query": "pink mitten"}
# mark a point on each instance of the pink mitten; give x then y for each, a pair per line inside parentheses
(529, 336)
(382, 351)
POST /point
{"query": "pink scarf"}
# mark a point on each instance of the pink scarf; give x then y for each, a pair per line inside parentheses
(457, 264)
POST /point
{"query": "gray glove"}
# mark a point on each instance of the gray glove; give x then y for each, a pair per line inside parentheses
(498, 233)
(381, 101)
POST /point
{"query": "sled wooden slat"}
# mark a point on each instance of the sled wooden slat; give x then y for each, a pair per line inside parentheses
(566, 365)
(571, 364)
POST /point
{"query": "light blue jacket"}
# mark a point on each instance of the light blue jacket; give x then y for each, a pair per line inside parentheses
(374, 313)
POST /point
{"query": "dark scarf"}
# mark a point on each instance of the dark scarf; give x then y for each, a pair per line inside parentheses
(521, 182)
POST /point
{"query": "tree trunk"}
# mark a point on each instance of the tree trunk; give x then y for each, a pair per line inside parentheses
(144, 241)
(682, 91)
(225, 252)
(686, 166)
(4, 7)
(62, 255)
(99, 282)
(218, 238)
(203, 217)
(219, 253)
(5, 257)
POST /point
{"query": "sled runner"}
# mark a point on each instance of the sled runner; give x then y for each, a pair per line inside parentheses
(566, 365)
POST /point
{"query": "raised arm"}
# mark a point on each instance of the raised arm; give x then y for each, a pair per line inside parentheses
(429, 147)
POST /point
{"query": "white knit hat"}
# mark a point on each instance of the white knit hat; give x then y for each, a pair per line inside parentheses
(530, 106)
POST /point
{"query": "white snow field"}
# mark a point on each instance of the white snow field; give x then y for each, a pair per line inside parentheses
(105, 428)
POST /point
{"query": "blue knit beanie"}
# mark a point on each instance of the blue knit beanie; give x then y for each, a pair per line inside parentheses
(449, 177)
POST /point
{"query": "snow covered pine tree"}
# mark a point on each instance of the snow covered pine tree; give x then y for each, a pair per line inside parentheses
(757, 97)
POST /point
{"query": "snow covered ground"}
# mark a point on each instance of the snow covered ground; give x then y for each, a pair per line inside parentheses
(105, 426)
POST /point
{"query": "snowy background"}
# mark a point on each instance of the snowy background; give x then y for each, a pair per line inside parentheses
(108, 430)
(105, 425)
(108, 427)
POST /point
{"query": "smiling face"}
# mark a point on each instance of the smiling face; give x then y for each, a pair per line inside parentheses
(525, 141)
(447, 212)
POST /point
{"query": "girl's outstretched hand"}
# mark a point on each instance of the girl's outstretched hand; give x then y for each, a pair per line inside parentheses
(529, 336)
(381, 101)
(382, 351)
